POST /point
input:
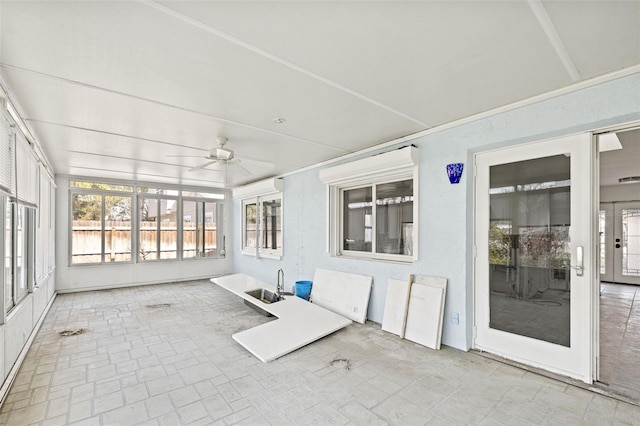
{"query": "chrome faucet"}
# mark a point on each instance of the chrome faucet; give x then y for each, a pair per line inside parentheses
(280, 285)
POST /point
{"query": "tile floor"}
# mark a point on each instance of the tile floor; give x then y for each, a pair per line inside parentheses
(620, 339)
(163, 355)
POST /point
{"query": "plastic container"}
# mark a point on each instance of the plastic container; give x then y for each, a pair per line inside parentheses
(303, 289)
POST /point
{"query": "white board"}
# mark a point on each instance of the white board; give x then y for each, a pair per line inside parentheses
(426, 310)
(395, 306)
(343, 293)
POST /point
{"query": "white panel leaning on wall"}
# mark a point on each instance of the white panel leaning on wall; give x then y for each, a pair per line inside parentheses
(414, 309)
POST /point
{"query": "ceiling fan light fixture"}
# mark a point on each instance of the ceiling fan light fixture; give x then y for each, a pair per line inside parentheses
(222, 154)
(629, 179)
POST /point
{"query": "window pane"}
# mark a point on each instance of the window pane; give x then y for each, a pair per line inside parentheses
(272, 224)
(22, 244)
(357, 219)
(189, 215)
(602, 222)
(394, 218)
(211, 195)
(148, 233)
(530, 279)
(251, 225)
(159, 191)
(86, 235)
(210, 229)
(98, 185)
(117, 228)
(168, 229)
(631, 242)
(8, 256)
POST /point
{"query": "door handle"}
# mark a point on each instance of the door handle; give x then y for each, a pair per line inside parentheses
(579, 261)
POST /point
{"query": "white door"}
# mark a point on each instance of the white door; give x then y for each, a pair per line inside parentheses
(535, 278)
(620, 242)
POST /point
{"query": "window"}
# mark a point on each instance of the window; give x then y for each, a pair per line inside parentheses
(200, 228)
(158, 235)
(18, 247)
(101, 227)
(373, 207)
(392, 230)
(262, 226)
(170, 224)
(262, 218)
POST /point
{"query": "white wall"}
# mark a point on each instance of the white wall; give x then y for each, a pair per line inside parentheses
(626, 192)
(94, 277)
(446, 211)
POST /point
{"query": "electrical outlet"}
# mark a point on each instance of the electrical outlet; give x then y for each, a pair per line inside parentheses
(455, 318)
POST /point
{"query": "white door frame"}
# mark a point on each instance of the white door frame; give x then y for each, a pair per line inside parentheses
(580, 359)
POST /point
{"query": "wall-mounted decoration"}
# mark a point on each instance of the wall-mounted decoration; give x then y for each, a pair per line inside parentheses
(454, 171)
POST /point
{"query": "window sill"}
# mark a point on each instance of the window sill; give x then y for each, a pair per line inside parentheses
(263, 254)
(379, 257)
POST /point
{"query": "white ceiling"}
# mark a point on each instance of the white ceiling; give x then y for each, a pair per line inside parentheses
(118, 89)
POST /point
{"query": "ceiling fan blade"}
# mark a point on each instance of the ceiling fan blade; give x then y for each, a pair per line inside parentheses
(187, 156)
(241, 168)
(258, 163)
(202, 166)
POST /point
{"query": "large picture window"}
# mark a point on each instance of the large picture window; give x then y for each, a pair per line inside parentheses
(170, 224)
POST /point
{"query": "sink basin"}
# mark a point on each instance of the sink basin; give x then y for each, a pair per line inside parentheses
(263, 295)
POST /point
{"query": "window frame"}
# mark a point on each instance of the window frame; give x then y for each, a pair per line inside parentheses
(22, 235)
(260, 193)
(159, 198)
(137, 191)
(103, 194)
(200, 222)
(259, 250)
(394, 166)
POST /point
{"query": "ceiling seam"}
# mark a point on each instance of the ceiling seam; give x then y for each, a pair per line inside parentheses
(117, 157)
(238, 42)
(164, 104)
(122, 135)
(206, 183)
(551, 32)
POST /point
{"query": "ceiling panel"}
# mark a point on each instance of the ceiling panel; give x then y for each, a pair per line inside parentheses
(119, 88)
(130, 48)
(131, 122)
(434, 61)
(623, 162)
(601, 36)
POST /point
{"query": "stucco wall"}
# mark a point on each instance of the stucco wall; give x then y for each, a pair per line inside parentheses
(446, 211)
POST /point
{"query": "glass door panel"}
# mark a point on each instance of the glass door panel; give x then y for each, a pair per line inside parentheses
(626, 243)
(534, 269)
(530, 288)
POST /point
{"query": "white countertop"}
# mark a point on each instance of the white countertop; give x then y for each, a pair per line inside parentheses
(299, 321)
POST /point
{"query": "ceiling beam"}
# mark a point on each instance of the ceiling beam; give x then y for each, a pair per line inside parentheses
(549, 29)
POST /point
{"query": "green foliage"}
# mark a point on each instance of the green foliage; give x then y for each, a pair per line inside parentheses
(499, 243)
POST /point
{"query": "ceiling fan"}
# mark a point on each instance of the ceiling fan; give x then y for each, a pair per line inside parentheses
(217, 155)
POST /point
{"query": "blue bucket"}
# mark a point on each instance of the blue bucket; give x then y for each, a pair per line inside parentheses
(303, 289)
